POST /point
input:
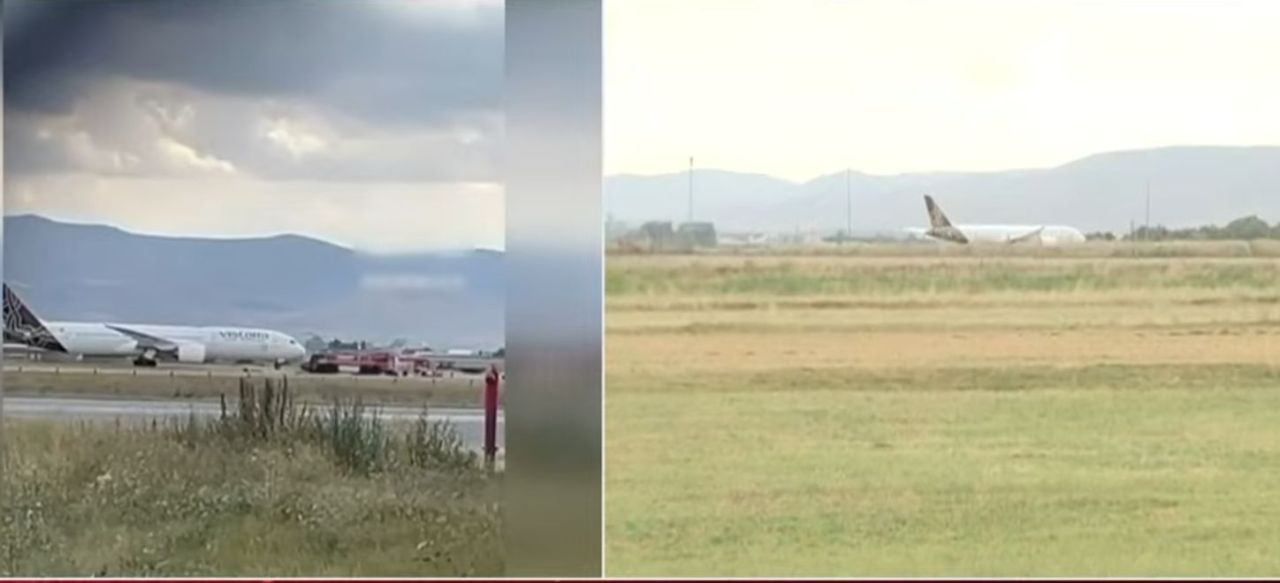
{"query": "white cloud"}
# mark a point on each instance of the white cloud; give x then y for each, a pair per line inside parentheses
(146, 128)
(297, 141)
(381, 218)
(185, 157)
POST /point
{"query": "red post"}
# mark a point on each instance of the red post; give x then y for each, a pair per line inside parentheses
(491, 415)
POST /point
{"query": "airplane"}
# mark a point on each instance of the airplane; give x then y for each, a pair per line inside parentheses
(146, 343)
(941, 228)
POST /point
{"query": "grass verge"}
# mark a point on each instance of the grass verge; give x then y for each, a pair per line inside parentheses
(272, 488)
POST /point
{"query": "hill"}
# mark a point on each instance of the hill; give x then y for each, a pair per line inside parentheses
(1190, 186)
(292, 283)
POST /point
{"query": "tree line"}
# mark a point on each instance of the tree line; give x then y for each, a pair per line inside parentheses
(1244, 228)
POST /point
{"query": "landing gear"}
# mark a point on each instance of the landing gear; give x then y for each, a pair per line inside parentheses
(147, 359)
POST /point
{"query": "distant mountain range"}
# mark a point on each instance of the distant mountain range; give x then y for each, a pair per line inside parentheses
(1190, 186)
(291, 283)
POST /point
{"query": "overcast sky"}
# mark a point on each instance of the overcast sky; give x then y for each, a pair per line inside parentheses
(799, 88)
(373, 124)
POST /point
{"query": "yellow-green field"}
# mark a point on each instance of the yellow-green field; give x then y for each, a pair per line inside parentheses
(1109, 411)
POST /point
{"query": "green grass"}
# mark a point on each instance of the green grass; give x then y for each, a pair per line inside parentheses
(731, 276)
(1107, 377)
(963, 414)
(277, 492)
(1050, 471)
(1091, 249)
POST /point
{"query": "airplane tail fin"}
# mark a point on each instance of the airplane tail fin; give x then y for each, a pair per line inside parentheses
(21, 325)
(937, 220)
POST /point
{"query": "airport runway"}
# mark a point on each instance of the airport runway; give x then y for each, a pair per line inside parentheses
(200, 370)
(468, 422)
(112, 369)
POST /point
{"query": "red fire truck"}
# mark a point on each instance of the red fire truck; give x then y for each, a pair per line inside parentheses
(353, 362)
(369, 363)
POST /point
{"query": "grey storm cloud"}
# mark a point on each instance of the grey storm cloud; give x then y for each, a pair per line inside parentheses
(361, 56)
(285, 89)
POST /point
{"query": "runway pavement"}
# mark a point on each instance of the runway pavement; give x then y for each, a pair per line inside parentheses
(201, 370)
(111, 369)
(468, 422)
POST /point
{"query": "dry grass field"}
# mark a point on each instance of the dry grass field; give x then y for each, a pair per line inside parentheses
(285, 491)
(1099, 410)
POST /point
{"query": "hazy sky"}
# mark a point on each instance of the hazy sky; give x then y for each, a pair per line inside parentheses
(374, 124)
(799, 88)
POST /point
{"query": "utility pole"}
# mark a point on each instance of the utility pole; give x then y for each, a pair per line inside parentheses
(690, 189)
(1148, 228)
(848, 203)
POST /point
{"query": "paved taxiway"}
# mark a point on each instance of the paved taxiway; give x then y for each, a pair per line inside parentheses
(468, 422)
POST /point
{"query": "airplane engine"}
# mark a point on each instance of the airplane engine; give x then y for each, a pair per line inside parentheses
(191, 353)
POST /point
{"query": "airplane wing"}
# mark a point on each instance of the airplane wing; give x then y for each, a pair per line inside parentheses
(916, 233)
(146, 340)
(1027, 237)
(182, 350)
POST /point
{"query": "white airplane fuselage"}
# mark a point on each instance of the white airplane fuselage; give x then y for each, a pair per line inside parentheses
(195, 343)
(1048, 235)
(941, 228)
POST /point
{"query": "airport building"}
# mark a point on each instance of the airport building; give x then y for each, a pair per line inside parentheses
(698, 235)
(663, 237)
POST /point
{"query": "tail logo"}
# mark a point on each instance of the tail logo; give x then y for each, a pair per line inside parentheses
(22, 326)
(936, 219)
(939, 226)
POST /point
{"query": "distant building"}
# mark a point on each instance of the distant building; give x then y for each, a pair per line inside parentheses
(697, 235)
(315, 344)
(654, 236)
(337, 344)
(659, 233)
(801, 238)
(615, 230)
(661, 236)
